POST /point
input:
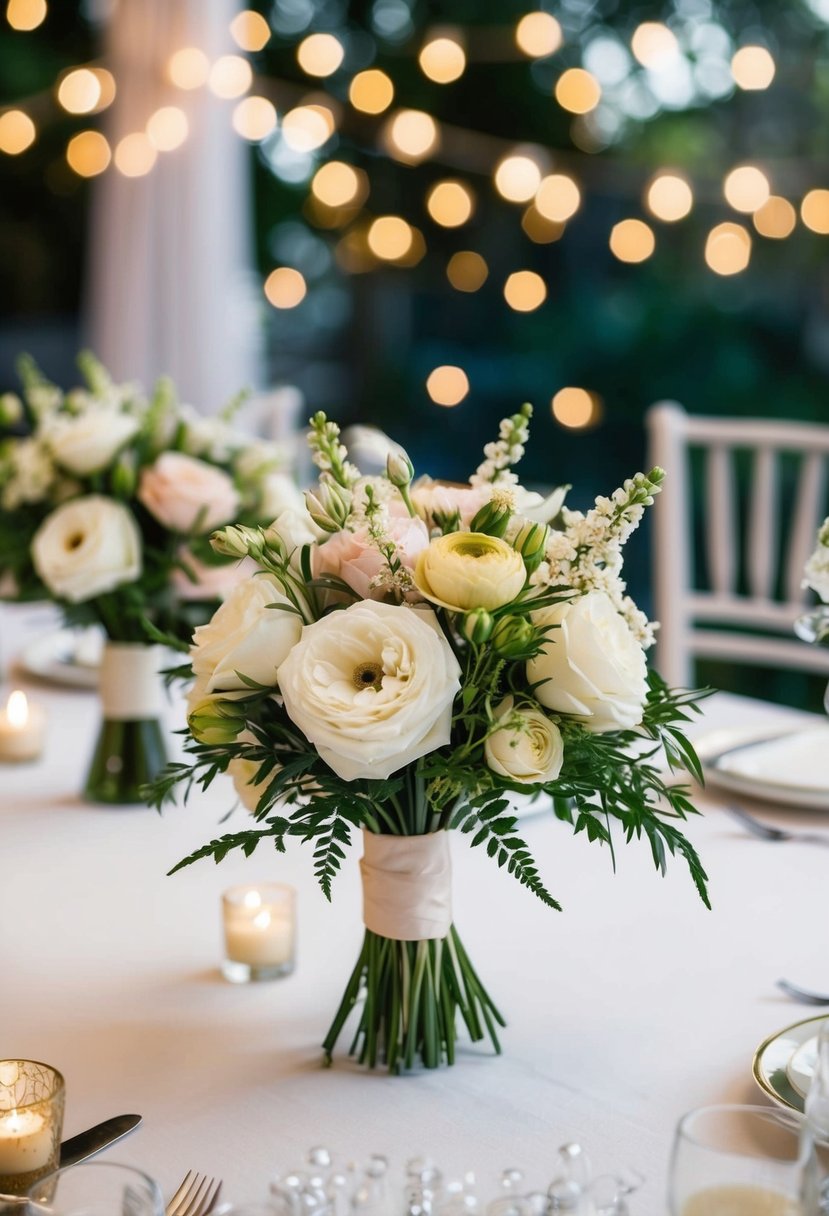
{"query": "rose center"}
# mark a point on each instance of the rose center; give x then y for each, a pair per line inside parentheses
(368, 675)
(74, 541)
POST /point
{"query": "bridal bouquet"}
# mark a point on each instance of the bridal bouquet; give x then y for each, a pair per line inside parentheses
(409, 656)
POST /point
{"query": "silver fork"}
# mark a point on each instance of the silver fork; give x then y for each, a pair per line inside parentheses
(764, 831)
(805, 995)
(196, 1196)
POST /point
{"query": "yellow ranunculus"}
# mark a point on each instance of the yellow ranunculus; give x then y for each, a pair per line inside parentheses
(466, 570)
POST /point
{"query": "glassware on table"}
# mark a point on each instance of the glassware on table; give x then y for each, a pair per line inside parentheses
(815, 1133)
(97, 1188)
(31, 1120)
(736, 1161)
(259, 932)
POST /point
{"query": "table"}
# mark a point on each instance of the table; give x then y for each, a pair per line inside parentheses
(630, 1007)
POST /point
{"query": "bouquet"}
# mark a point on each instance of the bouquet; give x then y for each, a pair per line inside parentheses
(814, 626)
(409, 656)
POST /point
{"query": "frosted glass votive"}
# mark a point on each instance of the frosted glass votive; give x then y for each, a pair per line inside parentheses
(259, 932)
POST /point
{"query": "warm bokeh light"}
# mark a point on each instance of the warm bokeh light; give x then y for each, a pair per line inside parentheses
(574, 407)
(450, 203)
(728, 249)
(814, 211)
(25, 15)
(305, 128)
(135, 155)
(538, 34)
(337, 184)
(442, 60)
(776, 218)
(188, 68)
(79, 91)
(654, 44)
(577, 91)
(539, 229)
(168, 128)
(106, 84)
(230, 76)
(517, 178)
(88, 153)
(632, 241)
(447, 385)
(753, 67)
(285, 287)
(390, 238)
(411, 135)
(467, 270)
(669, 197)
(254, 118)
(371, 91)
(250, 31)
(746, 188)
(525, 291)
(17, 132)
(320, 54)
(558, 198)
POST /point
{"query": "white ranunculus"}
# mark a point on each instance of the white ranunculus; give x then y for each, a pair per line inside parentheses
(88, 442)
(466, 570)
(372, 687)
(592, 666)
(86, 547)
(527, 749)
(246, 635)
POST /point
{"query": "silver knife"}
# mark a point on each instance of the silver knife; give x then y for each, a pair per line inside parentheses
(78, 1148)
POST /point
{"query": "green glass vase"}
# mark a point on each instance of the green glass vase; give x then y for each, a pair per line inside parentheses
(130, 751)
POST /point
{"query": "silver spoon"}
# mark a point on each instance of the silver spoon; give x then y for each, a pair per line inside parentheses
(803, 994)
(765, 831)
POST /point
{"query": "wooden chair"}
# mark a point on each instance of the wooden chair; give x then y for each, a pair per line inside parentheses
(733, 527)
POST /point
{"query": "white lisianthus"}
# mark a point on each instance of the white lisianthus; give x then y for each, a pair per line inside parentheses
(246, 634)
(86, 547)
(183, 493)
(592, 666)
(88, 442)
(372, 687)
(527, 748)
(466, 570)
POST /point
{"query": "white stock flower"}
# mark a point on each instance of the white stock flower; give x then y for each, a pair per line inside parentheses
(247, 635)
(527, 749)
(86, 443)
(86, 547)
(371, 687)
(592, 666)
(182, 493)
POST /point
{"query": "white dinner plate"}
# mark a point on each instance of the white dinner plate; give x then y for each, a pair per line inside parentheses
(788, 766)
(65, 656)
(774, 1056)
(801, 1067)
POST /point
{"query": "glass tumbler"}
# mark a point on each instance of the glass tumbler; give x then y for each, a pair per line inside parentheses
(97, 1188)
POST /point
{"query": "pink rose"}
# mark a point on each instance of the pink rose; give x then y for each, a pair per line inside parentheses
(184, 493)
(352, 557)
(445, 497)
(212, 582)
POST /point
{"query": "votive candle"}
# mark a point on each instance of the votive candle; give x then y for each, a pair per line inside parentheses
(22, 726)
(31, 1121)
(259, 931)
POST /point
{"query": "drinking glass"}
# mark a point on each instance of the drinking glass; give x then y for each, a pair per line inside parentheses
(97, 1188)
(736, 1161)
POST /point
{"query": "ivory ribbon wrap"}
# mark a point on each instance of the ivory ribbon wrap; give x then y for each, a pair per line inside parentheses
(407, 886)
(129, 683)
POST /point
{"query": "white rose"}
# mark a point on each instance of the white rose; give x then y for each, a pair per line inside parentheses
(279, 493)
(245, 635)
(527, 749)
(372, 687)
(86, 547)
(182, 493)
(592, 666)
(88, 442)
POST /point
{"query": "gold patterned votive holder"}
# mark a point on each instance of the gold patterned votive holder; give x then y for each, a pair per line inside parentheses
(259, 932)
(31, 1121)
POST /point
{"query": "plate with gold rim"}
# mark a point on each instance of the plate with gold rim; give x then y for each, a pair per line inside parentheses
(753, 763)
(773, 1057)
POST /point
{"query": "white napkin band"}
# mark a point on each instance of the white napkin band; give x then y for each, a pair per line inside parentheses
(129, 683)
(407, 886)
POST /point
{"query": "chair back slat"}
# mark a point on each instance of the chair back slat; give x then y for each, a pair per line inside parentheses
(810, 505)
(761, 529)
(721, 520)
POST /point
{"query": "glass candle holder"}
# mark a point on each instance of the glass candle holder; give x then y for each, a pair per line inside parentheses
(31, 1122)
(259, 932)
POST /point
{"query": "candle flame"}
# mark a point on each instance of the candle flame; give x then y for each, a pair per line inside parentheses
(17, 709)
(252, 899)
(263, 919)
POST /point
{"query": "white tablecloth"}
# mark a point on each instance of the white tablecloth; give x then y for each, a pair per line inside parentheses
(630, 1007)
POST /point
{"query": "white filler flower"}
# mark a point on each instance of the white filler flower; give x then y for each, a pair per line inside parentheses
(87, 547)
(372, 687)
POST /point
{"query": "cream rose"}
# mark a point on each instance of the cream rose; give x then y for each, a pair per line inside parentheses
(353, 557)
(86, 547)
(86, 443)
(592, 666)
(183, 493)
(527, 749)
(372, 687)
(245, 635)
(466, 570)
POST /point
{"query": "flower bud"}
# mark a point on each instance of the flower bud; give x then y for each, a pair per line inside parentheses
(513, 637)
(215, 722)
(531, 543)
(238, 541)
(330, 506)
(11, 409)
(492, 518)
(399, 469)
(124, 477)
(477, 626)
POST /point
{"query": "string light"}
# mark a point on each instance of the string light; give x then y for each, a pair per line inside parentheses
(188, 68)
(25, 15)
(305, 128)
(632, 241)
(728, 249)
(106, 84)
(411, 135)
(776, 218)
(450, 204)
(669, 197)
(390, 238)
(517, 178)
(168, 128)
(337, 184)
(574, 407)
(79, 91)
(17, 132)
(88, 153)
(538, 34)
(654, 45)
(320, 54)
(539, 229)
(371, 91)
(753, 67)
(467, 271)
(558, 198)
(135, 155)
(578, 91)
(285, 287)
(447, 385)
(814, 211)
(746, 188)
(525, 291)
(230, 76)
(254, 118)
(442, 59)
(250, 31)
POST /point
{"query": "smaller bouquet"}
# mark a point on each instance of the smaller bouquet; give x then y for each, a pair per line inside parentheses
(814, 626)
(107, 499)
